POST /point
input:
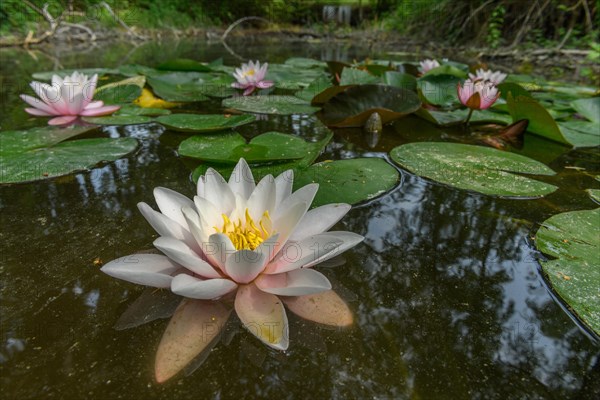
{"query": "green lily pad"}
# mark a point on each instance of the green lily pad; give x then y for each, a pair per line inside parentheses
(589, 108)
(47, 75)
(130, 109)
(594, 194)
(514, 89)
(353, 76)
(124, 91)
(179, 86)
(455, 117)
(540, 122)
(355, 105)
(119, 120)
(348, 181)
(573, 238)
(317, 86)
(287, 76)
(204, 122)
(581, 133)
(447, 69)
(439, 89)
(229, 148)
(279, 105)
(183, 64)
(481, 169)
(42, 153)
(301, 63)
(400, 79)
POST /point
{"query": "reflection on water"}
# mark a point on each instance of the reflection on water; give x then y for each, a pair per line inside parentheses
(448, 299)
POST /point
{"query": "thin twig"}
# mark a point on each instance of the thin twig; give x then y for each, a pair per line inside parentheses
(239, 21)
(120, 21)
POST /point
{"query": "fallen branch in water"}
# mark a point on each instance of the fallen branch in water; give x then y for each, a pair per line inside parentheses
(239, 21)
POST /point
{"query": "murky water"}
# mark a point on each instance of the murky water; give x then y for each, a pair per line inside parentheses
(446, 290)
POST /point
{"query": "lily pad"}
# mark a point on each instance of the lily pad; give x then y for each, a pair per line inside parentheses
(589, 108)
(179, 86)
(439, 89)
(573, 239)
(581, 133)
(447, 69)
(400, 79)
(119, 120)
(279, 105)
(124, 91)
(594, 194)
(229, 148)
(290, 77)
(540, 121)
(183, 64)
(480, 169)
(348, 181)
(355, 105)
(204, 122)
(353, 76)
(42, 153)
(514, 89)
(301, 62)
(448, 118)
(317, 86)
(130, 109)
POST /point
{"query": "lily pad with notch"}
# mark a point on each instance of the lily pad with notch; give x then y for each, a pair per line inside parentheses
(204, 122)
(230, 147)
(480, 169)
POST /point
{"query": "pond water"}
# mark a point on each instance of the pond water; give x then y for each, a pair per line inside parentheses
(446, 289)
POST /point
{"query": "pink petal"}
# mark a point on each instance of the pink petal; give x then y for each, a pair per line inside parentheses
(264, 84)
(94, 104)
(194, 288)
(249, 90)
(299, 282)
(263, 315)
(39, 104)
(37, 113)
(245, 265)
(324, 308)
(239, 85)
(67, 119)
(195, 327)
(88, 90)
(95, 112)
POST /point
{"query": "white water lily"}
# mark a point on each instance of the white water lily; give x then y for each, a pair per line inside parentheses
(259, 241)
(496, 77)
(427, 65)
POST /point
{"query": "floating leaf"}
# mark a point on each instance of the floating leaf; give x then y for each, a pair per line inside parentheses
(204, 122)
(401, 80)
(348, 181)
(594, 194)
(229, 148)
(353, 76)
(183, 64)
(327, 94)
(448, 118)
(302, 63)
(540, 122)
(39, 154)
(439, 89)
(448, 70)
(589, 108)
(581, 133)
(573, 238)
(481, 169)
(317, 86)
(325, 308)
(130, 109)
(119, 120)
(290, 77)
(514, 89)
(355, 105)
(124, 91)
(280, 105)
(195, 327)
(179, 86)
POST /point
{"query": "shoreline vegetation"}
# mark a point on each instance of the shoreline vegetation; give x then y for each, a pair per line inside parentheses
(558, 35)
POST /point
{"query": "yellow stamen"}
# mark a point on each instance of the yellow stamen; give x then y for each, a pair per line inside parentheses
(250, 72)
(245, 235)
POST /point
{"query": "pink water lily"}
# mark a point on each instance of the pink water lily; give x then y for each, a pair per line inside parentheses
(428, 64)
(478, 94)
(496, 77)
(66, 99)
(251, 76)
(253, 242)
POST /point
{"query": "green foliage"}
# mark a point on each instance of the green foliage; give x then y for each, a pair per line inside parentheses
(494, 36)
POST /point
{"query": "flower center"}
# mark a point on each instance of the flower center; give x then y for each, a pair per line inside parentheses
(250, 72)
(246, 235)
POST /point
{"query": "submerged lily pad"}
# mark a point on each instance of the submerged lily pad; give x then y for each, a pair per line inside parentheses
(348, 181)
(573, 238)
(42, 153)
(229, 148)
(280, 105)
(481, 169)
(204, 122)
(124, 91)
(355, 105)
(119, 120)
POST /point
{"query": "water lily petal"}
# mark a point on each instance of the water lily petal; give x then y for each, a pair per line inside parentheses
(283, 185)
(210, 214)
(94, 104)
(217, 191)
(319, 220)
(218, 248)
(263, 315)
(348, 239)
(262, 198)
(304, 252)
(264, 84)
(241, 180)
(179, 252)
(249, 90)
(99, 111)
(194, 328)
(144, 269)
(268, 247)
(194, 288)
(286, 224)
(245, 265)
(88, 89)
(166, 226)
(324, 308)
(305, 194)
(171, 202)
(37, 112)
(67, 119)
(299, 282)
(38, 104)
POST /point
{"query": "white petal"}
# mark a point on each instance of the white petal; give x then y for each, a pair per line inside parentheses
(262, 198)
(170, 203)
(283, 184)
(286, 224)
(244, 266)
(296, 283)
(305, 194)
(241, 180)
(194, 288)
(319, 220)
(166, 226)
(306, 252)
(269, 247)
(210, 213)
(144, 269)
(348, 239)
(217, 191)
(180, 253)
(217, 249)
